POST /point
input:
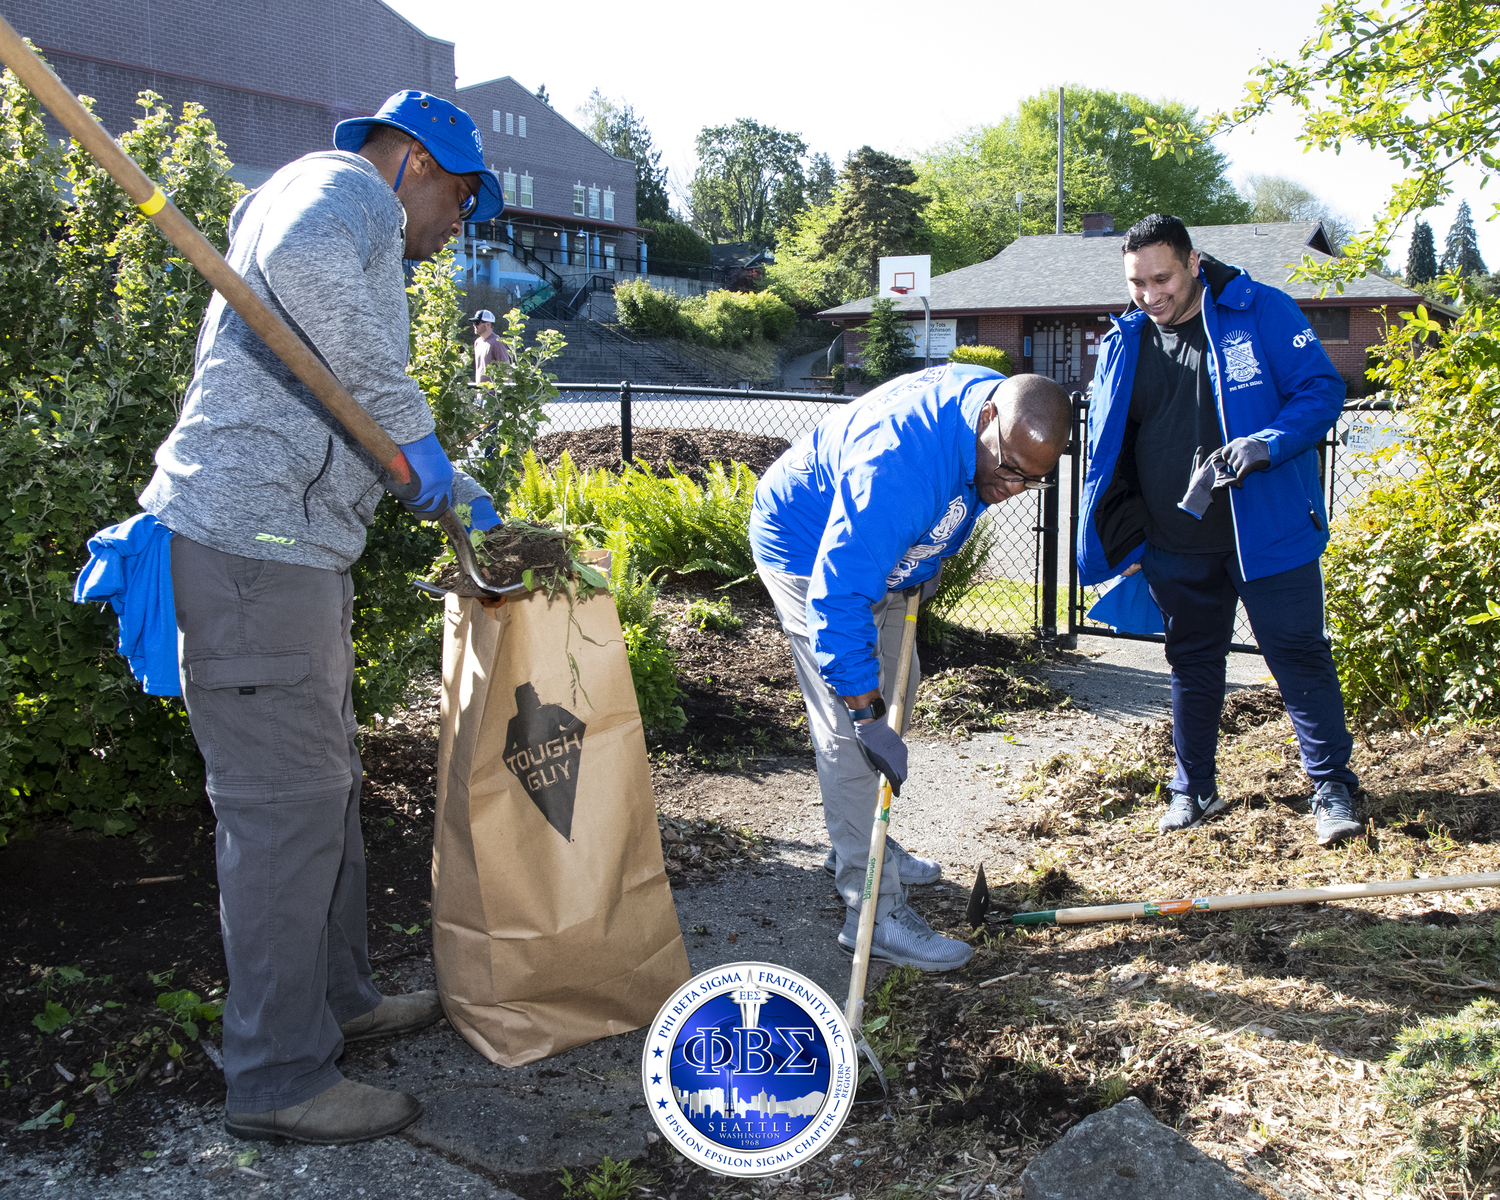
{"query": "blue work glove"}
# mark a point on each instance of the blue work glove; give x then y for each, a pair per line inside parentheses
(482, 514)
(929, 589)
(434, 477)
(1244, 455)
(885, 750)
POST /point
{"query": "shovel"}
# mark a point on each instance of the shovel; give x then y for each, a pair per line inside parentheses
(183, 234)
(854, 1008)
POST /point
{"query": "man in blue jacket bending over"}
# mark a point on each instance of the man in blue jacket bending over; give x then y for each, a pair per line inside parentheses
(866, 505)
(1209, 403)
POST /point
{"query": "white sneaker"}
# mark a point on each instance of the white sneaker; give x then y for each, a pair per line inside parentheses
(906, 940)
(913, 871)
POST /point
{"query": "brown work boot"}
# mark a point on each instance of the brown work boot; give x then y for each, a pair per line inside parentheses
(346, 1112)
(394, 1016)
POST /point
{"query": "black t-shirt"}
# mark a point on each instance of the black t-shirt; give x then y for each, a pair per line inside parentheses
(1172, 406)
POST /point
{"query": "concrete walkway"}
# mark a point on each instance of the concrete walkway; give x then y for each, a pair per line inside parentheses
(483, 1121)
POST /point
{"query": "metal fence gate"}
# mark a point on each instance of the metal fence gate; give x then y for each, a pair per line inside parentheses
(1347, 467)
(1016, 589)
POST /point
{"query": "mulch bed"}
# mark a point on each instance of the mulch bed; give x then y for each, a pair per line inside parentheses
(688, 451)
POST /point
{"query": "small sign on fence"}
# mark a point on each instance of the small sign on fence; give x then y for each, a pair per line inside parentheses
(1366, 439)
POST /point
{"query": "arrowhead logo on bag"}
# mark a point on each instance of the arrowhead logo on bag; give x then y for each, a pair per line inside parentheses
(543, 743)
(749, 1069)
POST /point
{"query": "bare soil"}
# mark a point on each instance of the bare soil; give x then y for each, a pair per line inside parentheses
(663, 450)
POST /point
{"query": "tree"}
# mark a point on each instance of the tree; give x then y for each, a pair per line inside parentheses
(974, 179)
(748, 173)
(1461, 250)
(674, 241)
(623, 133)
(875, 213)
(821, 179)
(885, 347)
(541, 94)
(1416, 79)
(1277, 198)
(1421, 258)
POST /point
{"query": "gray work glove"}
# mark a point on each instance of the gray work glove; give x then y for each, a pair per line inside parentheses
(929, 589)
(1208, 474)
(885, 750)
(1244, 455)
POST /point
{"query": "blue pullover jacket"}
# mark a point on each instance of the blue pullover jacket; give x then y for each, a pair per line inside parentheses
(1272, 381)
(870, 501)
(130, 565)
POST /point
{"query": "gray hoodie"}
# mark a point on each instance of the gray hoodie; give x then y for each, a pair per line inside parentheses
(256, 466)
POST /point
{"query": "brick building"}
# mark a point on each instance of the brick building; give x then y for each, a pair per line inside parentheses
(569, 203)
(1047, 300)
(274, 75)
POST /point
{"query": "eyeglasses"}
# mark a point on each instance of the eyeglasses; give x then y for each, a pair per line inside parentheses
(1030, 483)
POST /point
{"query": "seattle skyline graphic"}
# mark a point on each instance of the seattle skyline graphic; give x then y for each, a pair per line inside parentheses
(750, 1069)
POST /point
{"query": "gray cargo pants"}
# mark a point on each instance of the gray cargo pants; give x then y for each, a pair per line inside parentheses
(849, 784)
(267, 671)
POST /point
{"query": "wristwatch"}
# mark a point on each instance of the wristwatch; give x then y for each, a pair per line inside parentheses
(872, 710)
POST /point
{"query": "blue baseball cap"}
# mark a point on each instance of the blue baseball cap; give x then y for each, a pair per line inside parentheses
(448, 133)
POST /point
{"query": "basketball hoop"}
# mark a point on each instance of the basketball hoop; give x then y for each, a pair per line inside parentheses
(900, 291)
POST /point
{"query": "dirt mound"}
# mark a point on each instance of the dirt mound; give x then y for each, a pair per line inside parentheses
(686, 450)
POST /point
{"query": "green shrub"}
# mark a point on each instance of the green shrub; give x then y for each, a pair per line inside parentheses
(982, 356)
(713, 615)
(98, 319)
(651, 311)
(1413, 589)
(1443, 1081)
(721, 319)
(672, 524)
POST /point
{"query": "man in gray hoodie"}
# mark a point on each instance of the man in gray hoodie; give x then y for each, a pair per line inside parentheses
(269, 498)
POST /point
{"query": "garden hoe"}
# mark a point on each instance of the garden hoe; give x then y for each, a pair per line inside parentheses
(183, 234)
(854, 1009)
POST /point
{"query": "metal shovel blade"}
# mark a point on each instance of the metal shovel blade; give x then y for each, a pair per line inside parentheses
(979, 901)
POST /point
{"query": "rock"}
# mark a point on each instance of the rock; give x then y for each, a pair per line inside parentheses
(1124, 1153)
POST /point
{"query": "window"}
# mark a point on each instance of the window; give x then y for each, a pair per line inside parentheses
(594, 202)
(510, 123)
(609, 205)
(525, 191)
(523, 126)
(967, 331)
(528, 239)
(495, 119)
(609, 256)
(509, 180)
(578, 199)
(1330, 324)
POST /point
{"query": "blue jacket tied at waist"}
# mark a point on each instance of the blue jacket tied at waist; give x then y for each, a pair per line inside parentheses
(1272, 382)
(130, 565)
(870, 501)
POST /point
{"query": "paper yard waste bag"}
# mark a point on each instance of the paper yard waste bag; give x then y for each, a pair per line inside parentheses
(552, 918)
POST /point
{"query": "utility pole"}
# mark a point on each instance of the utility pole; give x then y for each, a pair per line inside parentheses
(1059, 158)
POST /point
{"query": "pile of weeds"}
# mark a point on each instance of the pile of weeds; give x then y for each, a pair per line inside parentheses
(696, 848)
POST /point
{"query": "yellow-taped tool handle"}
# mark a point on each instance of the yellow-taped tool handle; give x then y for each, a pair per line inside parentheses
(183, 234)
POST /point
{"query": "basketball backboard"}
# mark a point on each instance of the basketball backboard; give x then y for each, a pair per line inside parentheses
(905, 275)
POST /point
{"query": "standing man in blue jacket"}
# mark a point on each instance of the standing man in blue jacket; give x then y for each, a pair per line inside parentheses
(866, 505)
(1209, 402)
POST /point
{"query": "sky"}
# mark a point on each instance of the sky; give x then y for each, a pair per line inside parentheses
(904, 77)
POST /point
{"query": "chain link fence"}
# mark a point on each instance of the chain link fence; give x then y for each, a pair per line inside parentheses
(1005, 595)
(1349, 461)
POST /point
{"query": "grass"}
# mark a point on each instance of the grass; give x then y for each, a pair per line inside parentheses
(1003, 606)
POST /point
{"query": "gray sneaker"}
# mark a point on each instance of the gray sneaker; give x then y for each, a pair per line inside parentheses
(914, 871)
(1334, 816)
(1186, 811)
(906, 940)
